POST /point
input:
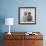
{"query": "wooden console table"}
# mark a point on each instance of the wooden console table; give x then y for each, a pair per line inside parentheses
(20, 39)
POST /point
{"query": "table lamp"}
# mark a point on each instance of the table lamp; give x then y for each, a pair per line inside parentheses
(9, 21)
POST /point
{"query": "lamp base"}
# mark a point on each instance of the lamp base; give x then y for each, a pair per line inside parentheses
(9, 33)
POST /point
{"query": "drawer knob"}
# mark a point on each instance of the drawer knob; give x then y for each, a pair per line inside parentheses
(33, 42)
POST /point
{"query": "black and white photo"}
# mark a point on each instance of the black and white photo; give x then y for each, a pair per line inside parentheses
(27, 15)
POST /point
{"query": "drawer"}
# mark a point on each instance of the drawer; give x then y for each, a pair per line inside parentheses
(34, 37)
(37, 43)
(13, 43)
(33, 43)
(9, 43)
(16, 37)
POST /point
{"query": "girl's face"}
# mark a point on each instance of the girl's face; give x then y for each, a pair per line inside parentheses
(25, 13)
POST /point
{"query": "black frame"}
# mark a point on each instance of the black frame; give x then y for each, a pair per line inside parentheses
(19, 15)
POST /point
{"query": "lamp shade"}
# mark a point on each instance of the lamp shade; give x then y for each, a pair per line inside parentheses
(9, 21)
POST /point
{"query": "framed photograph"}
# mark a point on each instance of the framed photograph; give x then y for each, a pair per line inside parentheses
(27, 15)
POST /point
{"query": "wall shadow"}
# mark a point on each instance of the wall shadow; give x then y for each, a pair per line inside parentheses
(2, 21)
